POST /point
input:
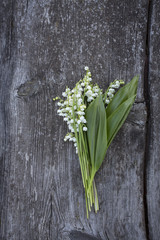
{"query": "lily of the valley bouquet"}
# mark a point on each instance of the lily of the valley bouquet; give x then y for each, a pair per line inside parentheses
(93, 120)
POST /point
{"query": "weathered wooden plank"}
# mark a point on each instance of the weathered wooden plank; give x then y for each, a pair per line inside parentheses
(7, 53)
(54, 40)
(153, 165)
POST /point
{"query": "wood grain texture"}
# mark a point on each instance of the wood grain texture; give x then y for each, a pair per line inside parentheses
(45, 46)
(153, 166)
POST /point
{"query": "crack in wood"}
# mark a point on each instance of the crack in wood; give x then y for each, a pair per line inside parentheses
(148, 123)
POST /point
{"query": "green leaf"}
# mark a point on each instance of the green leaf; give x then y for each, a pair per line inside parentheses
(129, 90)
(97, 132)
(117, 118)
(119, 108)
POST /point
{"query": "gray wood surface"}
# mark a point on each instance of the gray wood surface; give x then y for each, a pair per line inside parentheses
(44, 47)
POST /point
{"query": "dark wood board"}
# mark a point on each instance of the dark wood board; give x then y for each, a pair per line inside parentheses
(153, 163)
(44, 47)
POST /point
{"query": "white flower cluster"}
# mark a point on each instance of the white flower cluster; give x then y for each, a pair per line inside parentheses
(74, 103)
(72, 109)
(109, 94)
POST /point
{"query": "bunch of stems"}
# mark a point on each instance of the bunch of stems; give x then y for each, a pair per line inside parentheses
(91, 196)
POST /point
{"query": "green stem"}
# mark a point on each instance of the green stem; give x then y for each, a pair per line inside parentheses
(86, 203)
(91, 180)
(96, 204)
